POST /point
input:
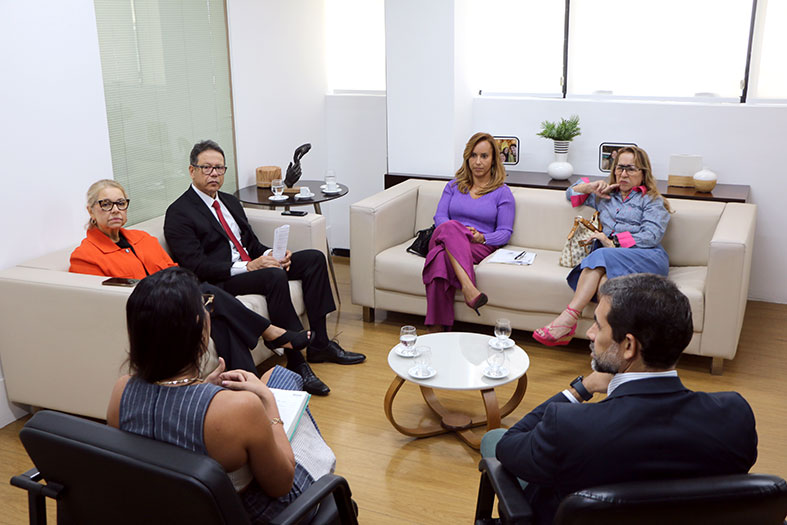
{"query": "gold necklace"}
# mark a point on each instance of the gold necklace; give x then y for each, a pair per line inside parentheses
(179, 382)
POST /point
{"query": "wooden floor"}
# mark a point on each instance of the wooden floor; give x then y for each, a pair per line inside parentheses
(396, 479)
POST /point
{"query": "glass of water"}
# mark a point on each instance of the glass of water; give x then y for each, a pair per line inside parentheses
(496, 359)
(423, 362)
(277, 187)
(330, 180)
(502, 332)
(407, 338)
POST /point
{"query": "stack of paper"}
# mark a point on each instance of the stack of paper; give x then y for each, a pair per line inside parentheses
(513, 257)
(280, 237)
(292, 404)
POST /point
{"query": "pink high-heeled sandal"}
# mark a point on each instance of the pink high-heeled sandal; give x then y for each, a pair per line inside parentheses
(546, 337)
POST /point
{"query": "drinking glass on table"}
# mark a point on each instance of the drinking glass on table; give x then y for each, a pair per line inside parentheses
(496, 359)
(502, 332)
(407, 338)
(277, 187)
(330, 180)
(423, 362)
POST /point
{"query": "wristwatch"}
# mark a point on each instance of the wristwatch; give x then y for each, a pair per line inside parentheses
(577, 385)
(615, 240)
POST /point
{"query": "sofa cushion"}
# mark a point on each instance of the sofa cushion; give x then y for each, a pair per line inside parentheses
(540, 287)
(690, 230)
(544, 218)
(428, 196)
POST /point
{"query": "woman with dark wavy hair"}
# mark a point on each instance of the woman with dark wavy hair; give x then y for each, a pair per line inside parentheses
(474, 217)
(229, 416)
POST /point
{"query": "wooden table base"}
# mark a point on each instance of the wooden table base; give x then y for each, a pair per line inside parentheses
(457, 422)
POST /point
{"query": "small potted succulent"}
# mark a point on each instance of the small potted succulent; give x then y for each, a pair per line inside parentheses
(561, 133)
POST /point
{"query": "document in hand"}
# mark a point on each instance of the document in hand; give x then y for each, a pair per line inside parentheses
(280, 237)
(292, 404)
(513, 257)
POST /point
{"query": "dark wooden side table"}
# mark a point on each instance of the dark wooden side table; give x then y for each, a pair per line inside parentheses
(540, 180)
(260, 197)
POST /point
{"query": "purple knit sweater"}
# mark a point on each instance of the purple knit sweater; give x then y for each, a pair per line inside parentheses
(491, 214)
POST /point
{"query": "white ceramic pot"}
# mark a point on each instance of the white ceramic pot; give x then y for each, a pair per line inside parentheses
(561, 169)
(705, 180)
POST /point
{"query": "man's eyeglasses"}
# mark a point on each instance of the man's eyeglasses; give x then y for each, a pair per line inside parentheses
(207, 301)
(107, 204)
(630, 169)
(206, 170)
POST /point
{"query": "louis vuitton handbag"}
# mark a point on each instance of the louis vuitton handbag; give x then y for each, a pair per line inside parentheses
(578, 243)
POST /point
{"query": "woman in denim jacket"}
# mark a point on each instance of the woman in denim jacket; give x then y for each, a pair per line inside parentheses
(634, 217)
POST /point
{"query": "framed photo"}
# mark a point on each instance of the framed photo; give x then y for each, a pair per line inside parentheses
(607, 152)
(509, 149)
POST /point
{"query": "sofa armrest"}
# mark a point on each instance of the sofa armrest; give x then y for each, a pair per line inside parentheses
(377, 223)
(305, 232)
(63, 339)
(727, 283)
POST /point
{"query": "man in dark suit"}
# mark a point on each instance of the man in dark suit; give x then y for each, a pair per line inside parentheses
(208, 233)
(649, 426)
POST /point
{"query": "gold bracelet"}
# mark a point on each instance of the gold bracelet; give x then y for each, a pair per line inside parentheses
(277, 420)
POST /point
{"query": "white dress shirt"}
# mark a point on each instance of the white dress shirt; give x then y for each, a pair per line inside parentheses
(238, 265)
(619, 379)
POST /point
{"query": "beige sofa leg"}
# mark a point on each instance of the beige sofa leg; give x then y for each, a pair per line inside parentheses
(717, 366)
(368, 314)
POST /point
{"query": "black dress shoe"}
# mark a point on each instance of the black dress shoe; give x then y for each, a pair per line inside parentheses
(311, 383)
(334, 354)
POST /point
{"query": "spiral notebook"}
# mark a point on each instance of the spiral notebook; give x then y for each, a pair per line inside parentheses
(292, 404)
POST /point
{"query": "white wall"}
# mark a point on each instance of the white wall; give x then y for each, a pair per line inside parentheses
(54, 130)
(279, 83)
(421, 87)
(355, 127)
(279, 87)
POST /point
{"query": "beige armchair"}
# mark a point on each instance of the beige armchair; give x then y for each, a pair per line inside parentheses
(63, 339)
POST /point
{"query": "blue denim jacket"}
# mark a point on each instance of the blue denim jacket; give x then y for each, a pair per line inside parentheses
(638, 221)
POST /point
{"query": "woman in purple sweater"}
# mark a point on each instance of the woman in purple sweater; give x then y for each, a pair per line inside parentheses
(474, 217)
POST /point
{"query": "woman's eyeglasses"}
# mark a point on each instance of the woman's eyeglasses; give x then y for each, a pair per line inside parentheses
(107, 204)
(207, 301)
(630, 169)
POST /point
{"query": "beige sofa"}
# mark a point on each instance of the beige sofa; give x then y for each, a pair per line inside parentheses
(63, 336)
(709, 245)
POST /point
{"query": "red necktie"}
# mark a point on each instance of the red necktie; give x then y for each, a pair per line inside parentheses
(238, 246)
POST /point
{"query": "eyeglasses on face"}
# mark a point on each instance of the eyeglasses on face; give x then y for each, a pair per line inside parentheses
(630, 169)
(207, 301)
(107, 204)
(206, 170)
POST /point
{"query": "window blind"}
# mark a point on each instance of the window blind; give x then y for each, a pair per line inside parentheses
(165, 66)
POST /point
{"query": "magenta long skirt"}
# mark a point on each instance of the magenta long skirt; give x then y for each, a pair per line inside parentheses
(439, 276)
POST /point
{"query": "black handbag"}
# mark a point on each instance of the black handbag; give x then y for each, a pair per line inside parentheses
(420, 245)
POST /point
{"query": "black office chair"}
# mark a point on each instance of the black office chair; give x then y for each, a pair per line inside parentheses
(739, 499)
(99, 474)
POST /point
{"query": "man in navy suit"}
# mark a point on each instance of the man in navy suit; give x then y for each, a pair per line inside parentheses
(208, 233)
(649, 426)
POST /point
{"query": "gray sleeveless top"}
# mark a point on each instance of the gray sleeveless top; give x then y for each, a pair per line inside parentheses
(164, 413)
(176, 415)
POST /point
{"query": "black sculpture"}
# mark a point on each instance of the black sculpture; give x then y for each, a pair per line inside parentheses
(294, 169)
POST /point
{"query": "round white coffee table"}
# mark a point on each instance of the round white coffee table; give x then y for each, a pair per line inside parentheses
(459, 359)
